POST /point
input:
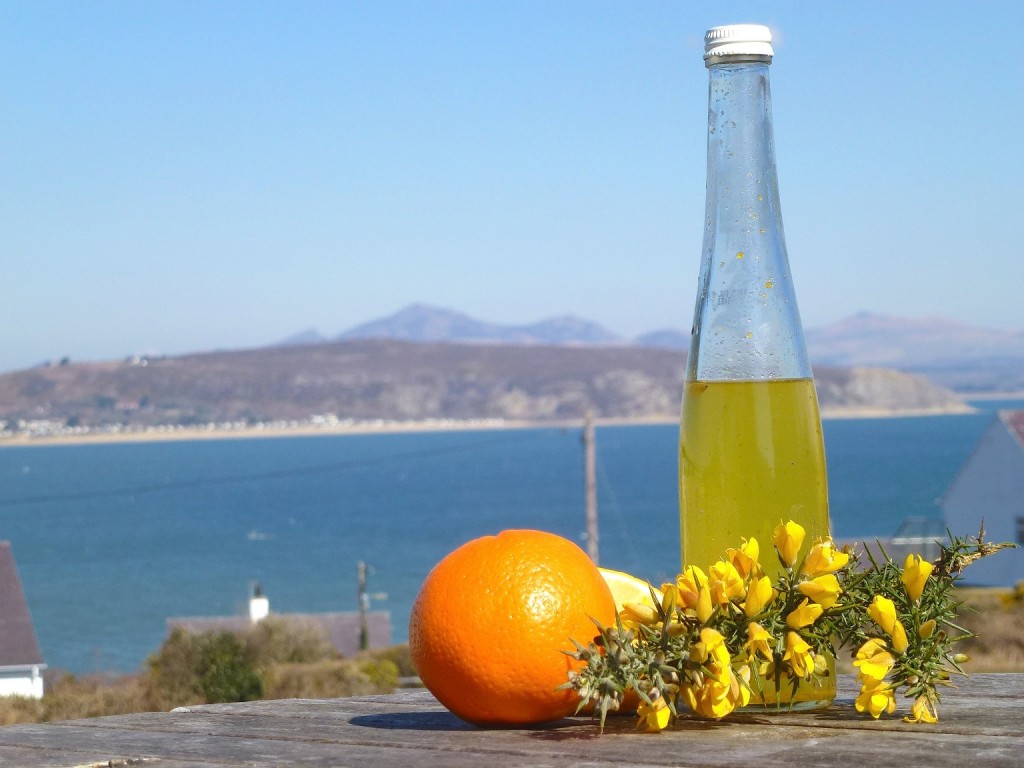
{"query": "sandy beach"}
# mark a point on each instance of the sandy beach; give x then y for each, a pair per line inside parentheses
(166, 433)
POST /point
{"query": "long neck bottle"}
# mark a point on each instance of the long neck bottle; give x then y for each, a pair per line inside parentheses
(751, 451)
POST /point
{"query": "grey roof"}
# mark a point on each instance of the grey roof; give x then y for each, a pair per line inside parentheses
(1014, 421)
(342, 628)
(18, 644)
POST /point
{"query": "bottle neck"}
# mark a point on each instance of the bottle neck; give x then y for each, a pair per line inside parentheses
(741, 141)
(746, 325)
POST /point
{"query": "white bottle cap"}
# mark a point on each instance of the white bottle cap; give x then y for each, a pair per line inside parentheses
(738, 40)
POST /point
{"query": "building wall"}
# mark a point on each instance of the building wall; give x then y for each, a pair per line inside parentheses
(28, 683)
(990, 487)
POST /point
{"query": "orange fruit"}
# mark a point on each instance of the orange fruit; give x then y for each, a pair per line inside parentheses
(490, 623)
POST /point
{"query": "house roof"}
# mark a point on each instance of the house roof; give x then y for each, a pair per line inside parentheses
(1014, 421)
(341, 628)
(18, 644)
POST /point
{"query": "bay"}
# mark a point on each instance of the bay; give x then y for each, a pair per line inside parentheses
(111, 540)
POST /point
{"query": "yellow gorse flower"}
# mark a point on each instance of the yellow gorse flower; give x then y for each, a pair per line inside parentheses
(714, 698)
(799, 655)
(873, 660)
(876, 697)
(759, 641)
(824, 589)
(689, 585)
(921, 711)
(804, 614)
(900, 643)
(824, 558)
(704, 605)
(634, 614)
(653, 716)
(915, 573)
(788, 538)
(725, 582)
(711, 647)
(883, 612)
(759, 594)
(716, 690)
(927, 629)
(745, 558)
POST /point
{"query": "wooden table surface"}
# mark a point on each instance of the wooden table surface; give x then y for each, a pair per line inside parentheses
(982, 724)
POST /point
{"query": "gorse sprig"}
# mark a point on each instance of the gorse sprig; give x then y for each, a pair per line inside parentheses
(717, 640)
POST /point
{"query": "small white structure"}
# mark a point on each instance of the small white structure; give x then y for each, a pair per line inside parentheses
(990, 488)
(21, 662)
(259, 605)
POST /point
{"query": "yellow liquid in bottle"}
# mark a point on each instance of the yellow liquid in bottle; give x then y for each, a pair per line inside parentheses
(751, 455)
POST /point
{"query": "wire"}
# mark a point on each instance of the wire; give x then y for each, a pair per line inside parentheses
(605, 480)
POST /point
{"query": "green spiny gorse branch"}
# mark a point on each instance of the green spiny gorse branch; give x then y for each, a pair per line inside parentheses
(732, 636)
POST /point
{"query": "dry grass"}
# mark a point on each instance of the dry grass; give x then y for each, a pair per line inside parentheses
(70, 698)
(996, 616)
(294, 663)
(329, 679)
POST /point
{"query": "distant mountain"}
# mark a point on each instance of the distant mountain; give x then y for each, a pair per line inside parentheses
(963, 357)
(423, 323)
(309, 336)
(569, 329)
(666, 338)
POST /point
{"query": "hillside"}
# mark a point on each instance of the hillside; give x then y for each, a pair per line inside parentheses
(396, 380)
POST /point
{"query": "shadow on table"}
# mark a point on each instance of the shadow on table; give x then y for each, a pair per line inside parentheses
(413, 721)
(446, 721)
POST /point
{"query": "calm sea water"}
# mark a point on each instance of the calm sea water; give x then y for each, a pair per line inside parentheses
(111, 540)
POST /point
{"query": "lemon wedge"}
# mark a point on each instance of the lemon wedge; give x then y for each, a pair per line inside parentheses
(629, 589)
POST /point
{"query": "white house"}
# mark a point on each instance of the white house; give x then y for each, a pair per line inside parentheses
(990, 487)
(21, 662)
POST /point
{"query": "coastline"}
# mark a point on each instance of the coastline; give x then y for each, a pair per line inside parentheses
(383, 426)
(982, 396)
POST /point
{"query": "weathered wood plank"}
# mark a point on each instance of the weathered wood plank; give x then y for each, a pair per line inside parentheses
(18, 757)
(981, 722)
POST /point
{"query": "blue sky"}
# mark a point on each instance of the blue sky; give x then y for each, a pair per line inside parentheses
(184, 176)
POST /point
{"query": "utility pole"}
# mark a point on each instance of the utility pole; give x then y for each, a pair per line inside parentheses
(364, 606)
(590, 484)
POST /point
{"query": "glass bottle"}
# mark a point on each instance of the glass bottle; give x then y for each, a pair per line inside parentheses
(751, 453)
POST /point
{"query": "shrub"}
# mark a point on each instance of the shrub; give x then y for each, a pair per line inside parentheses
(173, 672)
(276, 640)
(400, 657)
(383, 673)
(328, 679)
(226, 670)
(207, 667)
